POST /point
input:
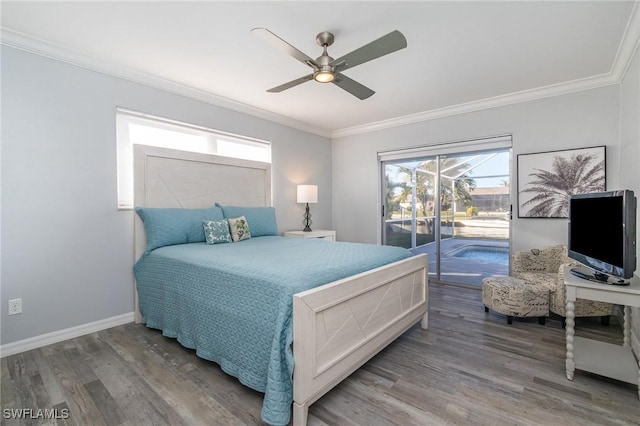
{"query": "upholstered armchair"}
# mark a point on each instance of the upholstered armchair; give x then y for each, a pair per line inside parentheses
(545, 267)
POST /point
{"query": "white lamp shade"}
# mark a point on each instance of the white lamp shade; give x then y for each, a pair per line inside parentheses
(307, 193)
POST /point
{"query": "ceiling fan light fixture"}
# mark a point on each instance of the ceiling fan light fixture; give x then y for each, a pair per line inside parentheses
(324, 76)
(329, 70)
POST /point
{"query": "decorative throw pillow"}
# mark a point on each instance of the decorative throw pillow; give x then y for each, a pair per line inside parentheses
(239, 229)
(216, 231)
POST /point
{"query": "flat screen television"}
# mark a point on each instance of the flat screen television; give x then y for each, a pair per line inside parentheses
(602, 235)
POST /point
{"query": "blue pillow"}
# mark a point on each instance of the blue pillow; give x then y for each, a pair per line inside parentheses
(262, 220)
(167, 227)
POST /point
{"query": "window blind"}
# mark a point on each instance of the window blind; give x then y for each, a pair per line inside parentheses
(450, 148)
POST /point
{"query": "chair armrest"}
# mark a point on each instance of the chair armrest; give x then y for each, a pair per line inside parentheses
(560, 281)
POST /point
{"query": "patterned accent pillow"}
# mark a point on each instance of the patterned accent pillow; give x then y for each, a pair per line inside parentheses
(239, 229)
(216, 231)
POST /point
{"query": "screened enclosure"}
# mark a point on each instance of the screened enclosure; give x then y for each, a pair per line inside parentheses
(455, 207)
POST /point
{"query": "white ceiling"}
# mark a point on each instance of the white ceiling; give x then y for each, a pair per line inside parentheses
(460, 56)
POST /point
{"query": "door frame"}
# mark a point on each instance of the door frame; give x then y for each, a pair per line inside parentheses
(411, 155)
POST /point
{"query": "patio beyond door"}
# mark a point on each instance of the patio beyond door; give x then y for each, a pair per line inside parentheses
(455, 207)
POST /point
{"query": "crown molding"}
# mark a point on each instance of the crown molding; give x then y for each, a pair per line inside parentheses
(628, 45)
(626, 50)
(483, 104)
(51, 50)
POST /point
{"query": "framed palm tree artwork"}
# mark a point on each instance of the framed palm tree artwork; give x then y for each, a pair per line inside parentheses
(546, 180)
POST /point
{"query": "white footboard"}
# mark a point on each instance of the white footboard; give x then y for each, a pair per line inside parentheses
(341, 325)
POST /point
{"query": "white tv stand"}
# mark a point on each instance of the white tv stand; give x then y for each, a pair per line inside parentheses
(605, 359)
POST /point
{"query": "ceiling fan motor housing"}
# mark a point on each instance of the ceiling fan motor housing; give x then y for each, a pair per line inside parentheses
(324, 62)
(324, 72)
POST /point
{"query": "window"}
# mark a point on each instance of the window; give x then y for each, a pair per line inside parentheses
(143, 129)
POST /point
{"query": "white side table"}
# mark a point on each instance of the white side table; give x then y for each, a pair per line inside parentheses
(326, 234)
(605, 359)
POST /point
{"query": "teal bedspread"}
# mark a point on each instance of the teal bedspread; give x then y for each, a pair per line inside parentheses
(233, 302)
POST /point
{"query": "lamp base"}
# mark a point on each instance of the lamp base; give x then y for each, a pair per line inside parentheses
(307, 219)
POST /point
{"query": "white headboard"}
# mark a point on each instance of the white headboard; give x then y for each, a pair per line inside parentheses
(170, 178)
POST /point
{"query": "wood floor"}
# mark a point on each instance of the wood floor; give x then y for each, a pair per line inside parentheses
(469, 368)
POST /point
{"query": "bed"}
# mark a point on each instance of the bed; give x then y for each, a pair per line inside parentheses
(325, 315)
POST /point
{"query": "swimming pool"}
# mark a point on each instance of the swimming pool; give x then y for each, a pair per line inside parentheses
(491, 254)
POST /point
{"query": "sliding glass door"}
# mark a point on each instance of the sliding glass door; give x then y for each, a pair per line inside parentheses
(455, 207)
(409, 204)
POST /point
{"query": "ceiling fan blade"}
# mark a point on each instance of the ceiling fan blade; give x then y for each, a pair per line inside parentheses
(377, 48)
(356, 89)
(279, 43)
(291, 84)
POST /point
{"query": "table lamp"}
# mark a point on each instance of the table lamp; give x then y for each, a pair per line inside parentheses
(307, 194)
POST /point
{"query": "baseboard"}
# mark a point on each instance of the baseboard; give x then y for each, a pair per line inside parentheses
(66, 334)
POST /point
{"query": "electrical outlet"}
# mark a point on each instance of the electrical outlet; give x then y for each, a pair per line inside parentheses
(15, 306)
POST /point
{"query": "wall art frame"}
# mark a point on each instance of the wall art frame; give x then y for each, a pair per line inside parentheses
(546, 180)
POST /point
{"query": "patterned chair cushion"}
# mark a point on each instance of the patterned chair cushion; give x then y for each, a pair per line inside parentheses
(545, 279)
(514, 297)
(547, 259)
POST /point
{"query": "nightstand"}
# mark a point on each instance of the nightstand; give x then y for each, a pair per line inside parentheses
(317, 234)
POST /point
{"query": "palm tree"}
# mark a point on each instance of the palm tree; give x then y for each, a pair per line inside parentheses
(576, 175)
(462, 187)
(425, 183)
(391, 200)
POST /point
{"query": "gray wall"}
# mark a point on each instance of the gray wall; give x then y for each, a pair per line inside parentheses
(588, 118)
(630, 158)
(66, 250)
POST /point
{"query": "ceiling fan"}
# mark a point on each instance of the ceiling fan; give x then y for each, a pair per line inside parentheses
(329, 70)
